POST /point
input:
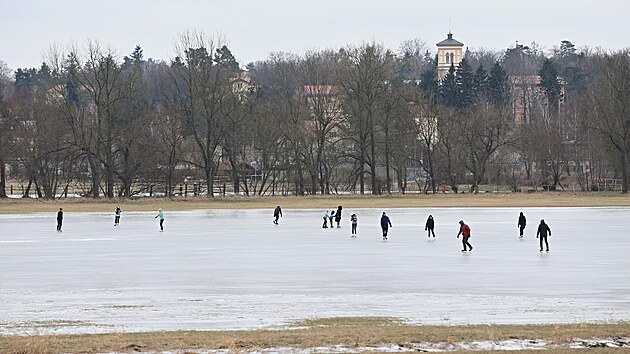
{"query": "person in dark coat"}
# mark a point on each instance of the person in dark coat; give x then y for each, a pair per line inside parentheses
(277, 213)
(59, 219)
(464, 230)
(521, 224)
(385, 225)
(338, 216)
(117, 216)
(429, 226)
(543, 230)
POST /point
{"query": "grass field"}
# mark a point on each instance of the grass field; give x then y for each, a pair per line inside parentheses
(351, 332)
(543, 199)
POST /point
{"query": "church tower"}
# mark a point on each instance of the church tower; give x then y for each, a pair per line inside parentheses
(450, 51)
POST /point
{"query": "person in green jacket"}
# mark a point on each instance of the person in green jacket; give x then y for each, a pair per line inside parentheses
(161, 216)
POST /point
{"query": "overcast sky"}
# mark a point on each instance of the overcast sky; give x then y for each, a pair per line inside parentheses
(254, 28)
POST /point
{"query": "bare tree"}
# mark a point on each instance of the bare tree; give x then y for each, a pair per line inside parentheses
(449, 146)
(4, 115)
(364, 79)
(205, 92)
(483, 131)
(428, 112)
(397, 127)
(324, 105)
(292, 110)
(132, 120)
(169, 141)
(606, 108)
(91, 94)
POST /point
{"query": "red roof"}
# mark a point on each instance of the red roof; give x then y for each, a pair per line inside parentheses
(319, 90)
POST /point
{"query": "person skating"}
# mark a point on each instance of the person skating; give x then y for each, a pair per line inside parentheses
(543, 230)
(385, 225)
(277, 213)
(59, 219)
(354, 220)
(117, 218)
(331, 217)
(521, 224)
(464, 230)
(325, 225)
(161, 216)
(429, 226)
(338, 216)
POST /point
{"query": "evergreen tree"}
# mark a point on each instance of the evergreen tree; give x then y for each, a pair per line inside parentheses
(567, 50)
(498, 86)
(429, 83)
(449, 91)
(481, 81)
(550, 84)
(224, 56)
(570, 66)
(71, 71)
(465, 80)
(25, 79)
(135, 57)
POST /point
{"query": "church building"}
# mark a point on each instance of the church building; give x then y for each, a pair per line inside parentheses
(450, 52)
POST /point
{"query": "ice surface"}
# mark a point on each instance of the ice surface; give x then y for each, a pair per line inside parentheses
(236, 269)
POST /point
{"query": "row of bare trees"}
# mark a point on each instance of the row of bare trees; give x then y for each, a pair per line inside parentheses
(361, 119)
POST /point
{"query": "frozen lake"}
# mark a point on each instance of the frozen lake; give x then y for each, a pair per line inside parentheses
(236, 269)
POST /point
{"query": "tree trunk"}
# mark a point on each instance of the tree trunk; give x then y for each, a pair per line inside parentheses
(3, 179)
(27, 191)
(375, 189)
(209, 180)
(37, 189)
(387, 172)
(95, 176)
(624, 171)
(109, 170)
(235, 172)
(362, 172)
(299, 190)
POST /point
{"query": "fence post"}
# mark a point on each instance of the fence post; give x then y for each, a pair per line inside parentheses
(186, 190)
(150, 190)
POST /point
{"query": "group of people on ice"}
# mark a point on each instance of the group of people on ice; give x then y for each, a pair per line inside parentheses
(117, 213)
(464, 230)
(335, 215)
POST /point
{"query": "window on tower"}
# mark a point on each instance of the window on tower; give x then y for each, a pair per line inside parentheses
(448, 58)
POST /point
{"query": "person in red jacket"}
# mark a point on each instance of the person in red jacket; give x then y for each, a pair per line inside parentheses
(464, 230)
(277, 213)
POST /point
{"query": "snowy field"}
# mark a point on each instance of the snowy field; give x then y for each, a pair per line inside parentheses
(236, 269)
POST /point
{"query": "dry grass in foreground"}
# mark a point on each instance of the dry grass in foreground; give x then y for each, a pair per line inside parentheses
(351, 332)
(543, 199)
(558, 351)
